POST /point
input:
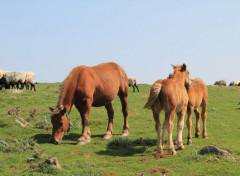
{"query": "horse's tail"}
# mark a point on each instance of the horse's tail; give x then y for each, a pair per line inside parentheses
(154, 92)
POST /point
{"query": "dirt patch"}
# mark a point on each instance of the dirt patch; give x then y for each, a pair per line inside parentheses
(157, 170)
(73, 153)
(33, 113)
(15, 111)
(160, 155)
(87, 156)
(120, 162)
(109, 174)
(140, 132)
(144, 159)
(19, 166)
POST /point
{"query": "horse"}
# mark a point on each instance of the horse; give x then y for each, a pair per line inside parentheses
(133, 82)
(171, 96)
(85, 87)
(198, 96)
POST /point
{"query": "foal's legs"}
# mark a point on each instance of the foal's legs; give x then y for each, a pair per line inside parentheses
(204, 119)
(84, 111)
(156, 109)
(170, 118)
(180, 126)
(189, 123)
(197, 129)
(110, 112)
(124, 102)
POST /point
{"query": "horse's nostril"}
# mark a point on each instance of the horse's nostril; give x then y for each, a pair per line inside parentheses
(55, 142)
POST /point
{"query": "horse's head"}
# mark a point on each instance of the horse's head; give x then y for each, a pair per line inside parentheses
(184, 73)
(60, 124)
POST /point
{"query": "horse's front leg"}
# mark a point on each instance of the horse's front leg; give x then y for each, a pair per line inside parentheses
(86, 133)
(124, 102)
(110, 112)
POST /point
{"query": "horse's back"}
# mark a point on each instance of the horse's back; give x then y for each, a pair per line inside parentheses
(198, 93)
(173, 94)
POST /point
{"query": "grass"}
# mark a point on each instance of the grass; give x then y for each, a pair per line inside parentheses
(131, 155)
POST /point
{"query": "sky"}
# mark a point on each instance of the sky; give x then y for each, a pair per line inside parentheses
(145, 37)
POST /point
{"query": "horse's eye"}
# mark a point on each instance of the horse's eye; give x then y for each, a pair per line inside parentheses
(61, 123)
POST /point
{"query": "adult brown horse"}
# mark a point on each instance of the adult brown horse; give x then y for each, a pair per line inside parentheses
(198, 96)
(85, 87)
(170, 95)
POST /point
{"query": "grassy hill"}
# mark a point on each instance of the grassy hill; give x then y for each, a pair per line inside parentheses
(133, 155)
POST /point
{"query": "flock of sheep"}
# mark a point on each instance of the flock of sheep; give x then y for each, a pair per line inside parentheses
(224, 83)
(10, 79)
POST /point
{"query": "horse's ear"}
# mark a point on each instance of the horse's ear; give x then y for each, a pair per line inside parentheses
(173, 66)
(51, 109)
(184, 67)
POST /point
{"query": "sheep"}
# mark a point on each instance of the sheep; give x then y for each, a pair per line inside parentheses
(30, 80)
(197, 79)
(221, 83)
(10, 79)
(132, 82)
(234, 83)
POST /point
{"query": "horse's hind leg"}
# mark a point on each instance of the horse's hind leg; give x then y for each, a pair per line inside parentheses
(197, 129)
(124, 102)
(84, 111)
(204, 119)
(110, 112)
(189, 123)
(180, 126)
(156, 109)
(170, 117)
(165, 126)
(133, 88)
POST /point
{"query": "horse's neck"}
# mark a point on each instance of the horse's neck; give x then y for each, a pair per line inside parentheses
(67, 96)
(179, 78)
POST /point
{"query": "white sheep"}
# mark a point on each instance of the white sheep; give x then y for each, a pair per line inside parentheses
(222, 82)
(234, 83)
(1, 74)
(30, 80)
(132, 82)
(197, 79)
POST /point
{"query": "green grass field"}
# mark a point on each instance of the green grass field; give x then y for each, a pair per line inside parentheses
(118, 156)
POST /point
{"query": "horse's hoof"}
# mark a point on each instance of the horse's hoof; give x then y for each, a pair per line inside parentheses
(83, 142)
(172, 152)
(181, 147)
(197, 135)
(205, 137)
(107, 136)
(189, 143)
(124, 134)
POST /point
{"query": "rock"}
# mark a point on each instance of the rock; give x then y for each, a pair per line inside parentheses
(51, 160)
(214, 150)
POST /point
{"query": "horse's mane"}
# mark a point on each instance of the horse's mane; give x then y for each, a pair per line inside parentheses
(64, 85)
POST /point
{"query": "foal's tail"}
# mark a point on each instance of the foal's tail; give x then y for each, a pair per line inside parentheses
(154, 92)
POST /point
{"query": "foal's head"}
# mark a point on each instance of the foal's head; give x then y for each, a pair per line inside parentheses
(183, 72)
(60, 124)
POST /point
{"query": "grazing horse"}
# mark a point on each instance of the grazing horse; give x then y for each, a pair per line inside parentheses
(170, 95)
(198, 96)
(85, 87)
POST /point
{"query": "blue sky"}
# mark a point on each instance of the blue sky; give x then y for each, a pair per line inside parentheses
(144, 36)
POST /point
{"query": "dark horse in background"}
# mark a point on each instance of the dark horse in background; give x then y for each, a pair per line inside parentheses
(85, 87)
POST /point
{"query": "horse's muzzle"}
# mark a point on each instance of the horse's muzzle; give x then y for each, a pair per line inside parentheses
(55, 142)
